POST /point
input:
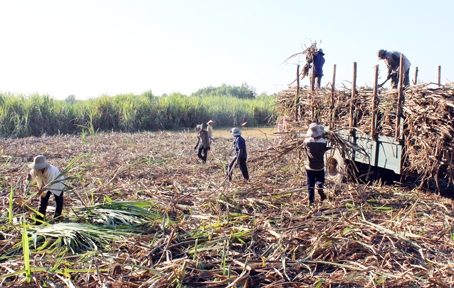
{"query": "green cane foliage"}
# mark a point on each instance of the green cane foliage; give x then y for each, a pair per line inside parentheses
(35, 115)
(77, 236)
(65, 272)
(103, 113)
(120, 213)
(320, 283)
(10, 207)
(26, 252)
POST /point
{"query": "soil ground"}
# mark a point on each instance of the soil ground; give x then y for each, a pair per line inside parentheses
(214, 233)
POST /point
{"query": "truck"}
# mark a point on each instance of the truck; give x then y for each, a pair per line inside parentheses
(406, 131)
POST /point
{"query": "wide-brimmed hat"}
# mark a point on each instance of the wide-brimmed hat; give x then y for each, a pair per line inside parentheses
(39, 162)
(198, 127)
(381, 53)
(315, 130)
(235, 131)
(210, 122)
(320, 51)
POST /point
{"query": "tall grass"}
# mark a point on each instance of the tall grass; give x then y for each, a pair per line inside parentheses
(34, 115)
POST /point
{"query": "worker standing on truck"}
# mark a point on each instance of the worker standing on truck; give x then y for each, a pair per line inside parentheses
(318, 61)
(315, 146)
(204, 141)
(392, 60)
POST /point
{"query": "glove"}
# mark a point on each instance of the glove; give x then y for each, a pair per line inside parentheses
(41, 192)
(392, 75)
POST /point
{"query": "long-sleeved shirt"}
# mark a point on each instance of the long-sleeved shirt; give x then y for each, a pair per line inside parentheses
(392, 60)
(210, 131)
(240, 144)
(203, 139)
(319, 61)
(315, 150)
(48, 176)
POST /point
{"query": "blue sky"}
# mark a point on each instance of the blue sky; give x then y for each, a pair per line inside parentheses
(88, 48)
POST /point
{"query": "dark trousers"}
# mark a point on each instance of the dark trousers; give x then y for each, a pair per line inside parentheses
(45, 201)
(395, 79)
(318, 80)
(315, 178)
(243, 168)
(203, 153)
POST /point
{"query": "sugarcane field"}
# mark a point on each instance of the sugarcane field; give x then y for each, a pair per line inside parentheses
(142, 210)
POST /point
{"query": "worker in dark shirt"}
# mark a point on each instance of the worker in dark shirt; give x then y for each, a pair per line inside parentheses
(240, 154)
(392, 60)
(203, 142)
(318, 61)
(315, 147)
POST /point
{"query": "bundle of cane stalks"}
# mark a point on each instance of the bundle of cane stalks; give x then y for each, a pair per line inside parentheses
(426, 122)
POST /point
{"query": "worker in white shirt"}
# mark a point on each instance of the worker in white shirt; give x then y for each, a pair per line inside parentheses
(46, 175)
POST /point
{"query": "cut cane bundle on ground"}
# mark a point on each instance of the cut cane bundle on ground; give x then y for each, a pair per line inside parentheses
(186, 226)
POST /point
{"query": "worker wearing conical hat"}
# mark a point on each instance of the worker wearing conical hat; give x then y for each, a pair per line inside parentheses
(315, 146)
(46, 176)
(210, 130)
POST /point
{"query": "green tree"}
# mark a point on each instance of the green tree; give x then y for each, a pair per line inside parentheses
(71, 99)
(242, 92)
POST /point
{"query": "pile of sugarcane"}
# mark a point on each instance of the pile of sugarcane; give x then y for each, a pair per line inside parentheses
(426, 122)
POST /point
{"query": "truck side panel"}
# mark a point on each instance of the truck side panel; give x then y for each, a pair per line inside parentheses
(386, 152)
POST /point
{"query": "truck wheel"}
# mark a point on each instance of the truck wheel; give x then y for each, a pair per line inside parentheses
(334, 166)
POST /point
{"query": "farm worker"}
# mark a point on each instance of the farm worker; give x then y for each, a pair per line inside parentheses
(392, 60)
(240, 154)
(45, 174)
(315, 146)
(210, 130)
(204, 141)
(318, 61)
(284, 124)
